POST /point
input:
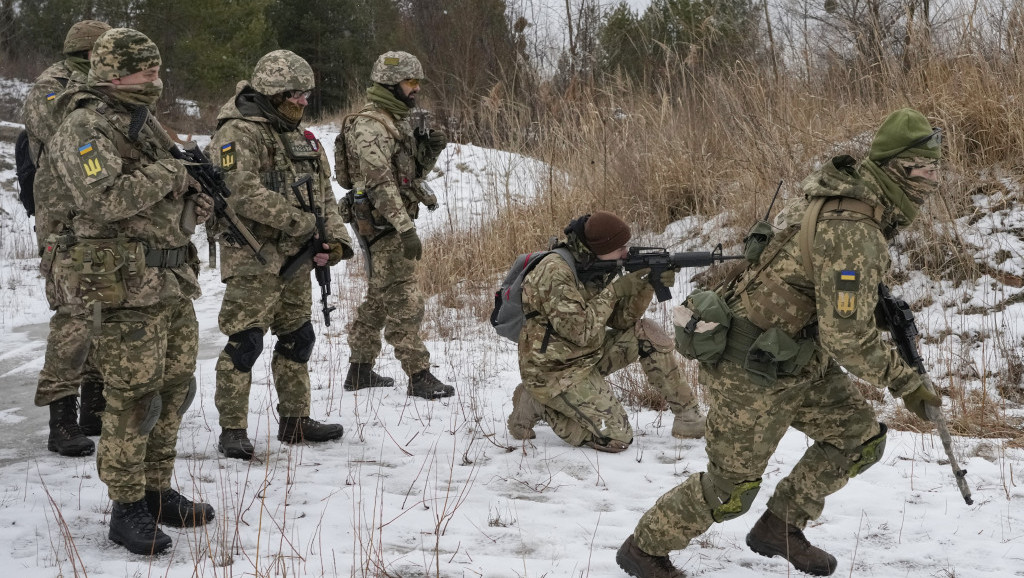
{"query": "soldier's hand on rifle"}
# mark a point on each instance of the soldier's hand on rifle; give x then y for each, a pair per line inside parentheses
(432, 140)
(919, 399)
(630, 284)
(323, 255)
(203, 207)
(668, 278)
(412, 248)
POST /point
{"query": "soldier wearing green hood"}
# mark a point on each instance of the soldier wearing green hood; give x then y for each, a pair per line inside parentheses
(385, 158)
(263, 150)
(67, 366)
(802, 313)
(129, 272)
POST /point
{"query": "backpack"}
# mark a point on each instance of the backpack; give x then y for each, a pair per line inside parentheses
(26, 171)
(341, 170)
(507, 318)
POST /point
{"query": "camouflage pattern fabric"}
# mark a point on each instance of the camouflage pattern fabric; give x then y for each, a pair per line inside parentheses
(263, 301)
(148, 340)
(82, 35)
(260, 163)
(593, 334)
(119, 52)
(393, 303)
(746, 421)
(67, 362)
(395, 66)
(147, 352)
(282, 70)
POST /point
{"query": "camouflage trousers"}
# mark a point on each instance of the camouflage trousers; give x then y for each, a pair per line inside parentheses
(263, 302)
(147, 356)
(67, 363)
(393, 303)
(745, 424)
(580, 406)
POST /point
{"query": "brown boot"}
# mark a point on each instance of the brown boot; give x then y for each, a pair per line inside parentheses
(526, 412)
(689, 423)
(638, 563)
(771, 536)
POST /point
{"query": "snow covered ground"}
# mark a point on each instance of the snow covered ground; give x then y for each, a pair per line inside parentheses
(419, 488)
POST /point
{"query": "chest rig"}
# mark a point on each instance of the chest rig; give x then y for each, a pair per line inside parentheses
(292, 156)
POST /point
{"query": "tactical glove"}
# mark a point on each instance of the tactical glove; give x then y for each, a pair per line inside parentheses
(412, 248)
(630, 284)
(918, 400)
(203, 207)
(668, 278)
(339, 252)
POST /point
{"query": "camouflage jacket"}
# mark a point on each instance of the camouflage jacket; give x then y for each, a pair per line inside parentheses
(382, 160)
(850, 258)
(260, 164)
(124, 188)
(566, 320)
(43, 111)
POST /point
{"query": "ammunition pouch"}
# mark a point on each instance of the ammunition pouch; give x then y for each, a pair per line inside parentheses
(106, 269)
(345, 207)
(54, 245)
(769, 355)
(702, 325)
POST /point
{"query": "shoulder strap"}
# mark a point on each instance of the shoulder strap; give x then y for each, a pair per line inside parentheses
(821, 205)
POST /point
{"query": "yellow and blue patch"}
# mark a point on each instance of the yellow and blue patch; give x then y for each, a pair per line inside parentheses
(847, 275)
(91, 164)
(51, 96)
(227, 156)
(847, 285)
(85, 149)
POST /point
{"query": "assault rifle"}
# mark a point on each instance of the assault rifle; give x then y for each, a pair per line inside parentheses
(659, 260)
(211, 180)
(313, 246)
(900, 320)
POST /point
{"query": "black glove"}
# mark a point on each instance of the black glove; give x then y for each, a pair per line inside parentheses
(412, 248)
(431, 141)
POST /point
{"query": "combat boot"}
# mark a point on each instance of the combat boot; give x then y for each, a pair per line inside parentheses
(65, 436)
(132, 526)
(362, 376)
(638, 563)
(234, 443)
(90, 418)
(771, 536)
(171, 508)
(689, 423)
(424, 384)
(526, 412)
(299, 429)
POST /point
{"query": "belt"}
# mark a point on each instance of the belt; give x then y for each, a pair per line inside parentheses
(169, 258)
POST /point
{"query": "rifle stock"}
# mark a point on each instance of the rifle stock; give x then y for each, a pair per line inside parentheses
(903, 329)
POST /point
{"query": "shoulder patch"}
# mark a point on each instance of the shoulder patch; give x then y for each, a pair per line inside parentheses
(91, 164)
(51, 96)
(847, 284)
(227, 156)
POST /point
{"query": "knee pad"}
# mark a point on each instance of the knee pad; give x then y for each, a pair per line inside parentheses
(297, 346)
(244, 348)
(191, 395)
(147, 412)
(869, 452)
(652, 338)
(728, 500)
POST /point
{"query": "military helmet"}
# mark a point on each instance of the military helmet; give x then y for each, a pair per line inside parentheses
(82, 35)
(280, 71)
(394, 67)
(119, 52)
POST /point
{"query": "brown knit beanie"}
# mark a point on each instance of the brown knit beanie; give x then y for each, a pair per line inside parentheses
(605, 232)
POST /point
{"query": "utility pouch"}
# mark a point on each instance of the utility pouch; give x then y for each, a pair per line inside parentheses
(362, 214)
(775, 354)
(760, 235)
(345, 207)
(54, 244)
(108, 269)
(702, 326)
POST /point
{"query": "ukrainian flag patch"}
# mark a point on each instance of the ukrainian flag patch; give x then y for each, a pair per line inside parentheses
(85, 149)
(227, 156)
(847, 285)
(51, 96)
(848, 275)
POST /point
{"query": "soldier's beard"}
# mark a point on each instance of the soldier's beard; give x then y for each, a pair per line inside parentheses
(290, 111)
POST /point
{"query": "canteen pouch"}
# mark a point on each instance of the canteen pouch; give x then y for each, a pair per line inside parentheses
(760, 235)
(775, 354)
(362, 214)
(345, 207)
(702, 326)
(108, 269)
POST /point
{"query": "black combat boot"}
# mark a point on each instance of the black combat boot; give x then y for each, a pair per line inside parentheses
(362, 376)
(93, 404)
(638, 563)
(171, 508)
(133, 526)
(234, 443)
(303, 429)
(771, 536)
(526, 412)
(65, 436)
(424, 384)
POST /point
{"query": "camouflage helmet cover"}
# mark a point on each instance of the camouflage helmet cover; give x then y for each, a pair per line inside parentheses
(82, 35)
(119, 52)
(394, 67)
(282, 70)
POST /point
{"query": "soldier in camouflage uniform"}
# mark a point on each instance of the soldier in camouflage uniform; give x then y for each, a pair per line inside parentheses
(802, 310)
(130, 273)
(380, 155)
(67, 365)
(580, 328)
(263, 150)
